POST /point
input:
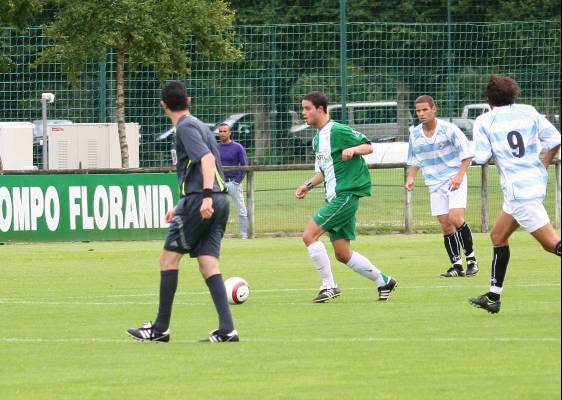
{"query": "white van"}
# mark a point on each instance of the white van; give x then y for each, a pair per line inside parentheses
(471, 111)
(377, 120)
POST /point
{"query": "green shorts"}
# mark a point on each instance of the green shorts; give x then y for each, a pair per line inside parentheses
(338, 217)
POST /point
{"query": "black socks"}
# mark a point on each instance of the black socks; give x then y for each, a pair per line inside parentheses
(218, 293)
(499, 265)
(168, 285)
(465, 236)
(453, 248)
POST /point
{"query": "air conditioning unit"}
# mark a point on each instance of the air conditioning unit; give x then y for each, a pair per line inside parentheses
(91, 146)
(16, 145)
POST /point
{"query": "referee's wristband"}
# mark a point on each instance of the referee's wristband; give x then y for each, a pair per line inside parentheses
(309, 185)
(207, 193)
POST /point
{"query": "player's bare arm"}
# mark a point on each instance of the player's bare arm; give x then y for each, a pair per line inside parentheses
(302, 190)
(170, 215)
(208, 169)
(456, 180)
(360, 150)
(412, 171)
(549, 155)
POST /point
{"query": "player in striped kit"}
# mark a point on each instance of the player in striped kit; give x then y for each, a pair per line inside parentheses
(513, 135)
(340, 165)
(442, 152)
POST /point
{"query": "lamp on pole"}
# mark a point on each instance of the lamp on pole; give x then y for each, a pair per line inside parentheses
(45, 98)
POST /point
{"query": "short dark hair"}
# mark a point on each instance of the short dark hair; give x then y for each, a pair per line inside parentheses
(225, 124)
(174, 94)
(501, 90)
(318, 99)
(426, 99)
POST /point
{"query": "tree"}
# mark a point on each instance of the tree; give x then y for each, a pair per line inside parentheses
(16, 14)
(153, 33)
(398, 41)
(297, 11)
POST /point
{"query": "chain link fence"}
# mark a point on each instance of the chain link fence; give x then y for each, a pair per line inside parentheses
(260, 94)
(388, 66)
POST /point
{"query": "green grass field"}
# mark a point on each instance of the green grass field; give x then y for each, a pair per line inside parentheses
(65, 307)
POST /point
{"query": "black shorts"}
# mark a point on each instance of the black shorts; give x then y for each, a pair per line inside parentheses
(190, 233)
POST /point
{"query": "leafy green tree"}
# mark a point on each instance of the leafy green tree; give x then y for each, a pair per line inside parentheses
(18, 13)
(514, 10)
(404, 41)
(296, 11)
(154, 33)
(15, 13)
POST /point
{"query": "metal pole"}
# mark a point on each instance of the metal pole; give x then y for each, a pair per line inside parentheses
(449, 61)
(484, 211)
(251, 204)
(45, 136)
(102, 113)
(343, 60)
(408, 216)
(273, 114)
(558, 201)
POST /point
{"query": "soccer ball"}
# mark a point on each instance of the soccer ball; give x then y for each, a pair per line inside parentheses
(237, 290)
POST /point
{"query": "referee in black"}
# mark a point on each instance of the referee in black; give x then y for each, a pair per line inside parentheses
(198, 221)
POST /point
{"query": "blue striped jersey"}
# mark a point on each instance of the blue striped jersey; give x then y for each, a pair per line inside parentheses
(439, 156)
(513, 135)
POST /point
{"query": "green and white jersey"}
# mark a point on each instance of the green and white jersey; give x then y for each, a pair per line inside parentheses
(351, 176)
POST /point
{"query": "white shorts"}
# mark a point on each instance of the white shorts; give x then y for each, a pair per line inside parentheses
(529, 214)
(442, 200)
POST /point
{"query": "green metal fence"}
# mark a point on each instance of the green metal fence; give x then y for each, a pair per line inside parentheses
(385, 62)
(261, 93)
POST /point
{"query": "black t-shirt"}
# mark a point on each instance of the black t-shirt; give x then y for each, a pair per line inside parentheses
(194, 139)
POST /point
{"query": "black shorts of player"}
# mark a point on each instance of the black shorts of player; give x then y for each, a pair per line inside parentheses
(190, 233)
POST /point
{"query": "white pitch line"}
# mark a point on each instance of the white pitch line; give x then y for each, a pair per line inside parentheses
(136, 303)
(176, 303)
(95, 303)
(367, 339)
(285, 290)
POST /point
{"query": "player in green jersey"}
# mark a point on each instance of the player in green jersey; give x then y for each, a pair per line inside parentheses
(339, 164)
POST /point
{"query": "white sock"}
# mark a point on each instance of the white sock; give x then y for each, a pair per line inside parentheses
(321, 261)
(363, 266)
(496, 289)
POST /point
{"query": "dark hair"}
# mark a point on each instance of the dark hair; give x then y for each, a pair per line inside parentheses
(426, 99)
(501, 90)
(225, 124)
(318, 99)
(174, 94)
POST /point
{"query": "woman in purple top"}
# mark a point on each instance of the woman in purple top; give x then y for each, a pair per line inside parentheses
(233, 154)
